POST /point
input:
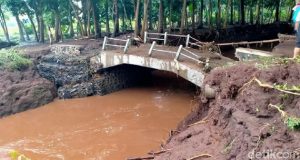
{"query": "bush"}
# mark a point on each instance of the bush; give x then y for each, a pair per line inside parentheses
(13, 60)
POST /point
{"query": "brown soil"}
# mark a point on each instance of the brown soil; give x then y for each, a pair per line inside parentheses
(23, 90)
(239, 119)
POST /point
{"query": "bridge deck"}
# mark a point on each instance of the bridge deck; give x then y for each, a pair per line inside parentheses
(142, 50)
(186, 68)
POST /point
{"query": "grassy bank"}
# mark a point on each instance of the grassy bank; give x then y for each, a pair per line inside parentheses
(13, 60)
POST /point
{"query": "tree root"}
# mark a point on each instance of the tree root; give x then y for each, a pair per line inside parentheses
(199, 156)
(283, 113)
(265, 85)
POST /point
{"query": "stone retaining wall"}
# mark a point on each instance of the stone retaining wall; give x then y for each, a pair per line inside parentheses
(74, 78)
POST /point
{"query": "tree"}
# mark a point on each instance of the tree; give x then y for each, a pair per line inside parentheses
(116, 18)
(136, 18)
(95, 11)
(183, 17)
(161, 17)
(145, 18)
(3, 23)
(15, 8)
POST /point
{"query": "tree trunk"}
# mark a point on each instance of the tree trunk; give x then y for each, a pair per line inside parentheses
(57, 33)
(258, 6)
(33, 27)
(226, 14)
(71, 30)
(85, 14)
(95, 12)
(219, 14)
(87, 18)
(116, 18)
(277, 13)
(193, 16)
(209, 17)
(80, 25)
(183, 17)
(170, 15)
(125, 17)
(231, 11)
(107, 17)
(136, 19)
(201, 13)
(3, 25)
(145, 18)
(242, 12)
(22, 39)
(251, 13)
(42, 29)
(24, 30)
(160, 27)
(150, 15)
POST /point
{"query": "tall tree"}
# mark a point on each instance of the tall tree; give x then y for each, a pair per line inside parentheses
(116, 18)
(219, 14)
(145, 18)
(3, 24)
(277, 12)
(242, 12)
(161, 17)
(183, 17)
(96, 16)
(107, 17)
(136, 18)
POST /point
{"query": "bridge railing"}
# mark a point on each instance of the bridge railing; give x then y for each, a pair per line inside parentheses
(147, 36)
(187, 54)
(106, 42)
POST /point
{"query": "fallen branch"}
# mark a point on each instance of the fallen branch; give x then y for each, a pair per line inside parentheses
(158, 152)
(199, 122)
(200, 156)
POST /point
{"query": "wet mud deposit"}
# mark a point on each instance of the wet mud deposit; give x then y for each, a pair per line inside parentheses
(243, 118)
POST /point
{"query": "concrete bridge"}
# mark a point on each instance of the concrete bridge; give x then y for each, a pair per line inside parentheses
(103, 71)
(190, 64)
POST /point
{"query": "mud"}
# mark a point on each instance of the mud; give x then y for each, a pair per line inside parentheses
(239, 119)
(23, 90)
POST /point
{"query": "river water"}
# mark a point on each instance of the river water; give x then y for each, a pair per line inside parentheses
(123, 124)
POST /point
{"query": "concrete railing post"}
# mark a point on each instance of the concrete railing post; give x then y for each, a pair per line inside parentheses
(127, 46)
(165, 38)
(104, 43)
(178, 53)
(151, 48)
(145, 37)
(187, 40)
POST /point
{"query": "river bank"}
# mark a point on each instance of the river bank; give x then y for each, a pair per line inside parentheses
(247, 119)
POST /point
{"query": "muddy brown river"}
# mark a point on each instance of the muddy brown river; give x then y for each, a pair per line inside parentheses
(123, 124)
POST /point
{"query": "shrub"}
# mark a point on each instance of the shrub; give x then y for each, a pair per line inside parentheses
(13, 60)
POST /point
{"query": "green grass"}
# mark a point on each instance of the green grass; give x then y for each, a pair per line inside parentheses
(13, 60)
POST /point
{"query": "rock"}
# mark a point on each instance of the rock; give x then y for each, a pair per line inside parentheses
(67, 49)
(64, 69)
(76, 91)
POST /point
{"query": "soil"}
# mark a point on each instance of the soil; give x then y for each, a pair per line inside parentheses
(23, 90)
(239, 119)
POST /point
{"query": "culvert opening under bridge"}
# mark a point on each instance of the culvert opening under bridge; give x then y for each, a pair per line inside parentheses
(125, 76)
